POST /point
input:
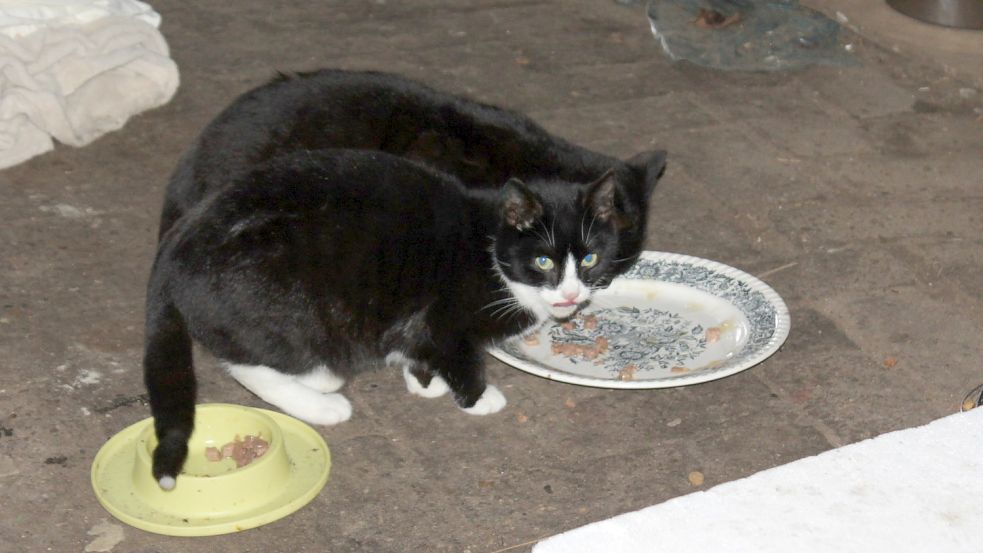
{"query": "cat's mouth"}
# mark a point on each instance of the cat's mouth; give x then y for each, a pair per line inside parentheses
(563, 310)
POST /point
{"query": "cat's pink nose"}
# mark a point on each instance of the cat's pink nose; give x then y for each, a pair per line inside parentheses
(570, 295)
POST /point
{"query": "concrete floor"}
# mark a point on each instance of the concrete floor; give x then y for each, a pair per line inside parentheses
(855, 192)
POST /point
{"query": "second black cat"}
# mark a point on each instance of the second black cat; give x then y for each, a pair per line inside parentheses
(482, 145)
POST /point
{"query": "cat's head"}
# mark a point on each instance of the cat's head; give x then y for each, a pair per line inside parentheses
(559, 242)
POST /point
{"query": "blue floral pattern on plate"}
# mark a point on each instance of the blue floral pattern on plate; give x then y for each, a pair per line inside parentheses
(644, 337)
(751, 300)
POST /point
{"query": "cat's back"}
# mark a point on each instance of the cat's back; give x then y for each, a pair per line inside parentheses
(481, 144)
(334, 231)
(291, 112)
(329, 108)
(333, 108)
(325, 203)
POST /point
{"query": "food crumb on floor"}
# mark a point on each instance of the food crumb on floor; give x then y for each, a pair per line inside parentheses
(695, 478)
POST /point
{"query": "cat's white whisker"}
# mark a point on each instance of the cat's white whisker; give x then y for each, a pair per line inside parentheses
(506, 310)
(507, 300)
(539, 235)
(497, 308)
(549, 238)
(516, 309)
(589, 227)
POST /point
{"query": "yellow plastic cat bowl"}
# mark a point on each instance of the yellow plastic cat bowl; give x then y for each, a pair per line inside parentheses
(213, 497)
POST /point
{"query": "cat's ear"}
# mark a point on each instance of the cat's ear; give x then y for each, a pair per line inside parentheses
(520, 206)
(648, 168)
(604, 199)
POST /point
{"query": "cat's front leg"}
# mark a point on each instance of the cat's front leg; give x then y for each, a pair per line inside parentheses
(459, 363)
(491, 401)
(420, 380)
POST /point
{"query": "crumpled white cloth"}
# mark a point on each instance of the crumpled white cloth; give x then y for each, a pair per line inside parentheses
(22, 17)
(75, 70)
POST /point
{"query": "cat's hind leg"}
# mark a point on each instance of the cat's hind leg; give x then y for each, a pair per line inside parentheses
(292, 395)
(322, 379)
(419, 379)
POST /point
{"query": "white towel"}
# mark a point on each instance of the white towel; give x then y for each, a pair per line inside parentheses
(22, 17)
(911, 491)
(77, 81)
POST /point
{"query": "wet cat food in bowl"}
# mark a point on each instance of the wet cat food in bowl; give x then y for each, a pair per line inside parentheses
(220, 483)
(241, 450)
(287, 466)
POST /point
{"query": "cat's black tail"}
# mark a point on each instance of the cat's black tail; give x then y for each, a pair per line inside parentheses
(170, 379)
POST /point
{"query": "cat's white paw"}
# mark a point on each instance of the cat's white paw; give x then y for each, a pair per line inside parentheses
(166, 482)
(322, 380)
(492, 401)
(323, 409)
(438, 386)
(291, 396)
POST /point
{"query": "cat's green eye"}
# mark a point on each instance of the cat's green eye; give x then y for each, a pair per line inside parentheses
(589, 260)
(544, 263)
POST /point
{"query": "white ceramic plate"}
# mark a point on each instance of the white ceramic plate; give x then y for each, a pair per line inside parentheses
(671, 320)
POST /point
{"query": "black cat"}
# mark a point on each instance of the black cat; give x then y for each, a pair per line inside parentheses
(314, 261)
(480, 144)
